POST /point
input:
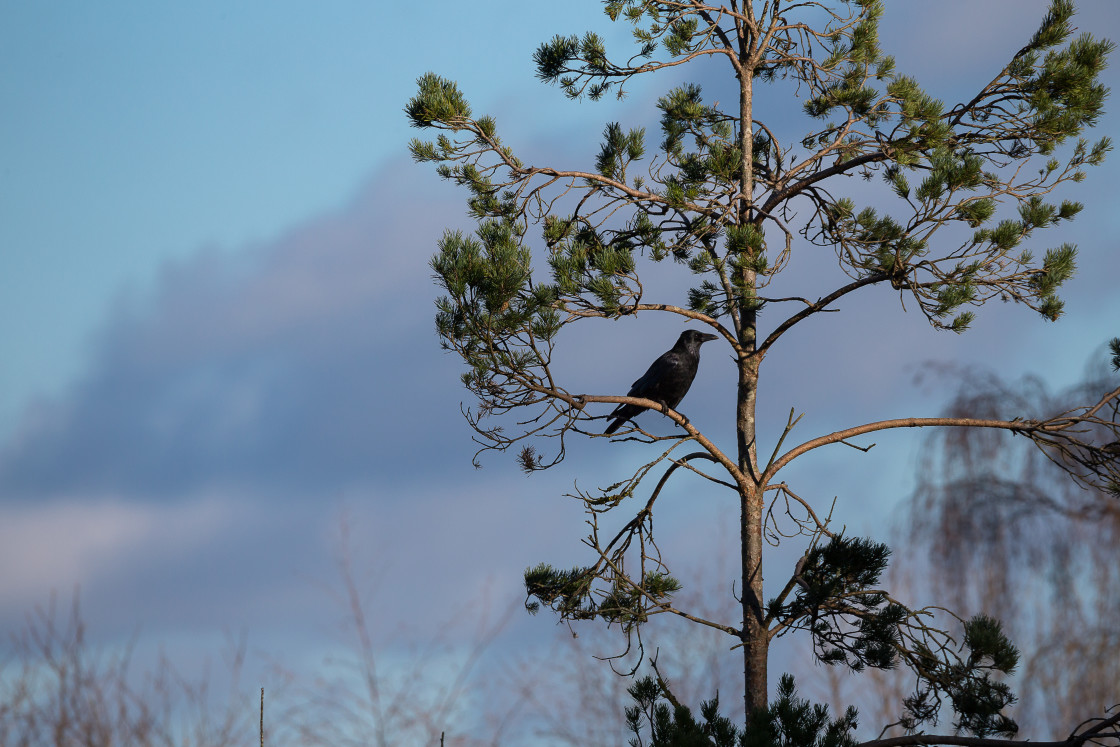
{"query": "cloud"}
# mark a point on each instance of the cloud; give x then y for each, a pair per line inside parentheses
(307, 362)
(195, 474)
(227, 411)
(80, 542)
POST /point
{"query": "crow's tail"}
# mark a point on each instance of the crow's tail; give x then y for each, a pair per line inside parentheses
(621, 414)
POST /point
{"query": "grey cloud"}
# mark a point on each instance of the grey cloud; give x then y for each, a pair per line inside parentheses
(309, 362)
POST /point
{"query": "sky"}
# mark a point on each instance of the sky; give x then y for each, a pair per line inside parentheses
(217, 317)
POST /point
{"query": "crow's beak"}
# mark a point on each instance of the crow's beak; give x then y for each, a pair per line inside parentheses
(706, 336)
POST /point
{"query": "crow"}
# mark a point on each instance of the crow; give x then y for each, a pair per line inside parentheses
(667, 380)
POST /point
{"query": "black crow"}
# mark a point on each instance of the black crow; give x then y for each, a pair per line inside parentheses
(667, 380)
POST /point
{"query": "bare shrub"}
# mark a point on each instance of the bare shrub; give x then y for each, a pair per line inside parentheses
(56, 689)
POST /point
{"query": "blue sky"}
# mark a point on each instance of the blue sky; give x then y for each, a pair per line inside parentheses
(217, 312)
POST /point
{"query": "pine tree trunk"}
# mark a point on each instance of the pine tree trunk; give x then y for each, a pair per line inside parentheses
(755, 641)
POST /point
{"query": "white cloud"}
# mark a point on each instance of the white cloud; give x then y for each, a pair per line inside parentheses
(81, 540)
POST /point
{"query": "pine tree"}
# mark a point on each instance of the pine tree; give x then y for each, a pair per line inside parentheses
(730, 197)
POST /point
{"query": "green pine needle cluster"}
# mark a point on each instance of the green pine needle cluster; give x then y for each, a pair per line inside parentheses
(972, 684)
(851, 621)
(573, 595)
(675, 726)
(789, 721)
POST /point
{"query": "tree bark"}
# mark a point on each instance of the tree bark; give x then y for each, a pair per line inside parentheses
(754, 636)
(755, 640)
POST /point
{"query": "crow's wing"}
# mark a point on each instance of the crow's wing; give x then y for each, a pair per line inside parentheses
(652, 382)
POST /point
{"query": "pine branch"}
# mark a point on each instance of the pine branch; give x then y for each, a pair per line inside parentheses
(1104, 729)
